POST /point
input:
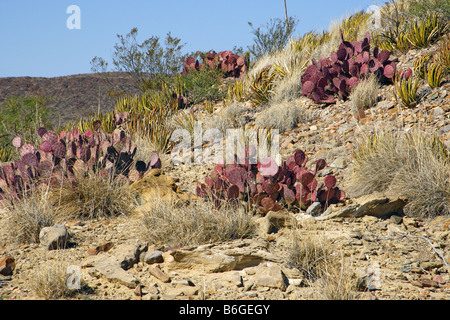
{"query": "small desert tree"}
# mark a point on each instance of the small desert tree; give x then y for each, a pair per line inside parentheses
(147, 63)
(272, 36)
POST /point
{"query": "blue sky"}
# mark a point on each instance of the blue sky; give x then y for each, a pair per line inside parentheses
(35, 40)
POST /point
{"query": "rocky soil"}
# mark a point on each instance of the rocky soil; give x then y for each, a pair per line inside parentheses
(394, 257)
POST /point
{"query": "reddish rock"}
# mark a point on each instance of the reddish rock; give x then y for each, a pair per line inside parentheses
(101, 248)
(7, 265)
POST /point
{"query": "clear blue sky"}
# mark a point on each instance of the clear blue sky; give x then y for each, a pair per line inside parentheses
(35, 41)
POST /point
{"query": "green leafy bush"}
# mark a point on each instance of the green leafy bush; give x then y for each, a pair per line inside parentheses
(20, 116)
(204, 84)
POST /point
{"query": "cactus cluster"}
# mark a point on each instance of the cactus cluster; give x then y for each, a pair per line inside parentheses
(335, 76)
(270, 187)
(231, 64)
(59, 157)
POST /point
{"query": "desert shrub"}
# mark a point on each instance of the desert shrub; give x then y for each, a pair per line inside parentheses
(309, 254)
(271, 37)
(307, 43)
(171, 224)
(435, 74)
(20, 116)
(204, 84)
(353, 27)
(149, 63)
(5, 154)
(25, 217)
(421, 66)
(283, 116)
(261, 86)
(149, 114)
(324, 269)
(92, 196)
(232, 116)
(365, 94)
(49, 281)
(424, 8)
(414, 165)
(407, 90)
(337, 281)
(443, 56)
(288, 66)
(411, 24)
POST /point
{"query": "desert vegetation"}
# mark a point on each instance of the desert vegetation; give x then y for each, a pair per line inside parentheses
(107, 166)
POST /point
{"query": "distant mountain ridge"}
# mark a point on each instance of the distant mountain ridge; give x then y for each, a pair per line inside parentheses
(71, 97)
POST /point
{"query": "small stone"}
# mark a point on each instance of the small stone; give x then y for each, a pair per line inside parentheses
(236, 279)
(396, 219)
(410, 222)
(159, 274)
(54, 237)
(114, 274)
(386, 104)
(340, 163)
(7, 265)
(444, 129)
(128, 254)
(138, 290)
(438, 111)
(101, 248)
(155, 256)
(315, 209)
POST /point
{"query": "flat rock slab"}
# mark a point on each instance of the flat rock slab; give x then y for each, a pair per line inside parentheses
(236, 255)
(376, 204)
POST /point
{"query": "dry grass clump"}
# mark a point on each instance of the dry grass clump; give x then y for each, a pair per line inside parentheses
(338, 281)
(414, 165)
(49, 281)
(25, 217)
(171, 224)
(233, 116)
(365, 94)
(329, 274)
(309, 254)
(93, 196)
(283, 116)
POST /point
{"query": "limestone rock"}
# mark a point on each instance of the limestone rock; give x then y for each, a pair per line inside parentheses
(155, 256)
(128, 254)
(54, 237)
(114, 273)
(376, 204)
(235, 255)
(271, 276)
(273, 221)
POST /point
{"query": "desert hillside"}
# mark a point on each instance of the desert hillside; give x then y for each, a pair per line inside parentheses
(355, 205)
(70, 97)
